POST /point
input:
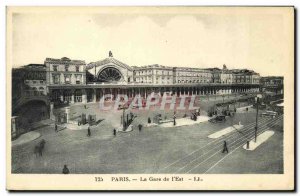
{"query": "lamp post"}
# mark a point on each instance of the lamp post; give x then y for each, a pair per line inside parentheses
(174, 118)
(123, 117)
(256, 124)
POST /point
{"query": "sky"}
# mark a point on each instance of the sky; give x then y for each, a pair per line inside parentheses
(198, 39)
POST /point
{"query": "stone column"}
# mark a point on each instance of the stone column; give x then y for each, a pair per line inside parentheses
(73, 96)
(52, 117)
(67, 110)
(61, 97)
(84, 96)
(94, 95)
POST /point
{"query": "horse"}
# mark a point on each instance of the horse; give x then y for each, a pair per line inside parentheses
(38, 149)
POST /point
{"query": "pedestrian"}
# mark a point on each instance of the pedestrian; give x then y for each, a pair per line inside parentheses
(225, 149)
(140, 127)
(65, 170)
(89, 132)
(131, 115)
(115, 132)
(55, 127)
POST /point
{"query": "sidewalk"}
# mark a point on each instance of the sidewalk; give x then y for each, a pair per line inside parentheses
(25, 138)
(225, 131)
(185, 121)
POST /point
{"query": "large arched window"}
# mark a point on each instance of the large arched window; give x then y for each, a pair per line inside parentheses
(109, 74)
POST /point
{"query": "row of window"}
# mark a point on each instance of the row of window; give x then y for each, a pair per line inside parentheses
(157, 72)
(192, 81)
(34, 81)
(55, 68)
(67, 79)
(193, 74)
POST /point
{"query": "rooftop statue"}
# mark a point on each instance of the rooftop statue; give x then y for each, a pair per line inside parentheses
(110, 54)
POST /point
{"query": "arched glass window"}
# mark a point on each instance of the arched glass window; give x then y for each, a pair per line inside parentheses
(109, 74)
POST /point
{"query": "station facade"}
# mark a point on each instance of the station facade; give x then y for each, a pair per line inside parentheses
(75, 81)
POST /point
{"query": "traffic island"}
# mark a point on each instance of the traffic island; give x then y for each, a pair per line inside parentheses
(151, 125)
(185, 121)
(225, 131)
(259, 140)
(129, 129)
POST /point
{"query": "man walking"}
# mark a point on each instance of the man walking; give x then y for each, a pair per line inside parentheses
(115, 132)
(225, 149)
(140, 127)
(55, 127)
(89, 132)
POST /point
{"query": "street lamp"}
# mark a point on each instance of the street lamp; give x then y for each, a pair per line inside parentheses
(174, 118)
(256, 124)
(123, 118)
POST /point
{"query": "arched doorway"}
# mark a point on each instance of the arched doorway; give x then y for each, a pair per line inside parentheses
(78, 95)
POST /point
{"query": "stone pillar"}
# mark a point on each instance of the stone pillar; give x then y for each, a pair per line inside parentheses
(111, 93)
(94, 95)
(61, 97)
(73, 97)
(14, 127)
(84, 96)
(67, 110)
(52, 117)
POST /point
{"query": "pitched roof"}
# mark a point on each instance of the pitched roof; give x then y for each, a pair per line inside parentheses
(107, 61)
(65, 60)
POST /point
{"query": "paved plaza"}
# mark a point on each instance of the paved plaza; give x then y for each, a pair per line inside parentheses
(155, 149)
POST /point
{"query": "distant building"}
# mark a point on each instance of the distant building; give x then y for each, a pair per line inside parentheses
(153, 74)
(216, 75)
(245, 76)
(272, 85)
(189, 75)
(226, 76)
(31, 79)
